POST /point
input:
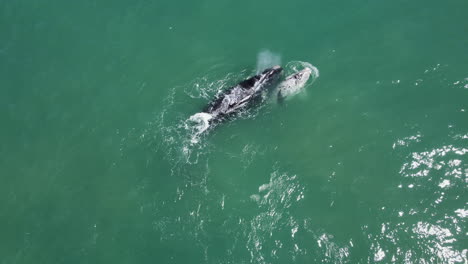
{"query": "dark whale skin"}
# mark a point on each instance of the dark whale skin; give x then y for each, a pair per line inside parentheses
(242, 95)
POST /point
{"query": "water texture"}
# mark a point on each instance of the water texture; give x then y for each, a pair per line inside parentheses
(98, 164)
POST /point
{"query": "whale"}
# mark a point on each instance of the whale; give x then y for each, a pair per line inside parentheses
(293, 84)
(237, 98)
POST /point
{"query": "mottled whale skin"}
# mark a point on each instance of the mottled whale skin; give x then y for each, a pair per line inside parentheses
(234, 99)
(293, 83)
(238, 97)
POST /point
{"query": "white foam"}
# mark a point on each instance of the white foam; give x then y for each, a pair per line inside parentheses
(202, 121)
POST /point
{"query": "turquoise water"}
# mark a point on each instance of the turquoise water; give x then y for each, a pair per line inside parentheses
(368, 165)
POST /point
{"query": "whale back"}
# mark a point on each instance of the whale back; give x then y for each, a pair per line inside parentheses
(237, 97)
(294, 83)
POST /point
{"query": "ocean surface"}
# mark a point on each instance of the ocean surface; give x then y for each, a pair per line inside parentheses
(98, 163)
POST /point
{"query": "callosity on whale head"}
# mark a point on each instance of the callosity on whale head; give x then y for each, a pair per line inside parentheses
(294, 83)
(272, 73)
(259, 81)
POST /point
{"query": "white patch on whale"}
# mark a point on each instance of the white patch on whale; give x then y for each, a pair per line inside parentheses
(297, 81)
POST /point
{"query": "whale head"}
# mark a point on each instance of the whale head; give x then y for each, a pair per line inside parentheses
(272, 73)
(270, 76)
(259, 81)
(301, 77)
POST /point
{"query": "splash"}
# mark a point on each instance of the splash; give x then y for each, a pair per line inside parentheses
(202, 123)
(275, 200)
(180, 135)
(267, 59)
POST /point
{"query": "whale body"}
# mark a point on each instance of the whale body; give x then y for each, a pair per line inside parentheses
(237, 98)
(293, 84)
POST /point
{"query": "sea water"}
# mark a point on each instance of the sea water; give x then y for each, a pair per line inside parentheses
(97, 163)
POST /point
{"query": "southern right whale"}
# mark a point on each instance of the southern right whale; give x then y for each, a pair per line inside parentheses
(293, 83)
(236, 98)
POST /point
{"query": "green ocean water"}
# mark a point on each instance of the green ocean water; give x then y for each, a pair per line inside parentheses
(368, 165)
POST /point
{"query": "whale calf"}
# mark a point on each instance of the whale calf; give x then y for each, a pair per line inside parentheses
(293, 84)
(236, 98)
